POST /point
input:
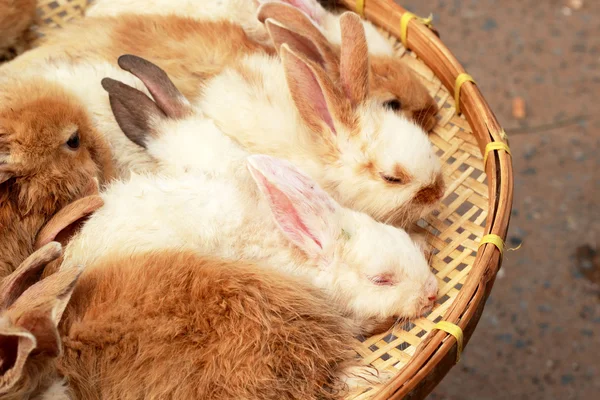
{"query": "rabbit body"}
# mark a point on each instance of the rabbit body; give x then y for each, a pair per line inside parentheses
(170, 324)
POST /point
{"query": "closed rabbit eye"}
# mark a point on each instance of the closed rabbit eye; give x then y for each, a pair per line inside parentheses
(74, 142)
(394, 105)
(383, 280)
(391, 179)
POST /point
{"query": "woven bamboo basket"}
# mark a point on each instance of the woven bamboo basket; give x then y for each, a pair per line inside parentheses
(476, 206)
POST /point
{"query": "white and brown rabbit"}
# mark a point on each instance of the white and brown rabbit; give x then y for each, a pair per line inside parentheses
(212, 198)
(170, 324)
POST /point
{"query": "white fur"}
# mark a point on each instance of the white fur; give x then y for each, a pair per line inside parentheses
(83, 80)
(263, 117)
(215, 208)
(58, 391)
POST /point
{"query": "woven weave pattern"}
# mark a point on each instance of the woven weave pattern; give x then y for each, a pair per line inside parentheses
(455, 227)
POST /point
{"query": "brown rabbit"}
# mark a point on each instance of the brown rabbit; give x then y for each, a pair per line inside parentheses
(172, 324)
(50, 155)
(16, 17)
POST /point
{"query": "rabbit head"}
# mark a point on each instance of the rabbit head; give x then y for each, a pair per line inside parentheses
(50, 154)
(30, 310)
(391, 83)
(374, 271)
(376, 161)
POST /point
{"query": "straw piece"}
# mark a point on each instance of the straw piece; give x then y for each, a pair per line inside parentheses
(460, 80)
(405, 19)
(492, 146)
(360, 7)
(455, 331)
(493, 239)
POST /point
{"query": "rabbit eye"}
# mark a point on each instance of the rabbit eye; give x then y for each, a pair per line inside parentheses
(383, 280)
(391, 179)
(73, 141)
(393, 105)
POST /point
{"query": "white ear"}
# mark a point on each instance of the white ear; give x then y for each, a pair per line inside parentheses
(304, 212)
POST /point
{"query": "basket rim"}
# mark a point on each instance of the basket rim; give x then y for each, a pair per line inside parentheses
(437, 353)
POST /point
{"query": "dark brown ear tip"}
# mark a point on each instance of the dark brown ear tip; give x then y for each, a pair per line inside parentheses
(109, 84)
(127, 61)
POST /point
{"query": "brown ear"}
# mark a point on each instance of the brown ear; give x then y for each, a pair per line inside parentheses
(133, 110)
(65, 223)
(5, 173)
(16, 345)
(165, 93)
(354, 58)
(47, 298)
(29, 326)
(290, 25)
(27, 274)
(300, 44)
(312, 92)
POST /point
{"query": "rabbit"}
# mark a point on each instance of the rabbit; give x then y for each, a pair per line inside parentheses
(213, 198)
(50, 155)
(201, 328)
(392, 82)
(390, 79)
(368, 158)
(16, 18)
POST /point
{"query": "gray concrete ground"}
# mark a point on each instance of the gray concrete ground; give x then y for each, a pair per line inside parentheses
(539, 337)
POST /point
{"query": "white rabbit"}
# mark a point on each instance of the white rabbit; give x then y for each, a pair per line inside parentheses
(214, 199)
(368, 158)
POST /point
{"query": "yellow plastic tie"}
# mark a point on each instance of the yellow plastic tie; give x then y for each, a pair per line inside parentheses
(493, 239)
(492, 146)
(455, 331)
(360, 7)
(460, 80)
(405, 19)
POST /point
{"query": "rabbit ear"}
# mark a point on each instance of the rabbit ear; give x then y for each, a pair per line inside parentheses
(5, 173)
(312, 92)
(134, 111)
(27, 274)
(63, 225)
(304, 212)
(300, 44)
(15, 347)
(287, 24)
(354, 58)
(29, 326)
(312, 8)
(165, 93)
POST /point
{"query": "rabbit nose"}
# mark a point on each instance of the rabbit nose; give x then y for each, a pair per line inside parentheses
(431, 288)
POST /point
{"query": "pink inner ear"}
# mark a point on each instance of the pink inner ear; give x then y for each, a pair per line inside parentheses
(311, 91)
(286, 215)
(309, 7)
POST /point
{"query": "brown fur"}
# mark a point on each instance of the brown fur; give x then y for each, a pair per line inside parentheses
(432, 193)
(44, 174)
(173, 325)
(16, 17)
